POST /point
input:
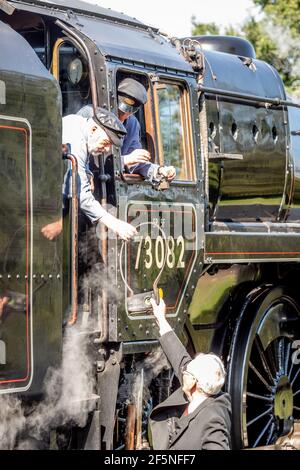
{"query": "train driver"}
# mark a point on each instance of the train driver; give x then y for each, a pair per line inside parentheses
(90, 137)
(131, 96)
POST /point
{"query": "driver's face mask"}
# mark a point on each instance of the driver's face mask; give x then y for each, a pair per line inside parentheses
(127, 105)
(98, 140)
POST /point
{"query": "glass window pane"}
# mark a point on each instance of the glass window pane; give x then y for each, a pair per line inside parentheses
(172, 148)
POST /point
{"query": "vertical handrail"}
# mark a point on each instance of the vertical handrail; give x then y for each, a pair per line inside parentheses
(104, 330)
(74, 241)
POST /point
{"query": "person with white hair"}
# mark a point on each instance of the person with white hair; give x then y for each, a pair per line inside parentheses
(197, 416)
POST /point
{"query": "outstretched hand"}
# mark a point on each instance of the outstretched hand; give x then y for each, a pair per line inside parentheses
(169, 172)
(159, 311)
(137, 156)
(124, 230)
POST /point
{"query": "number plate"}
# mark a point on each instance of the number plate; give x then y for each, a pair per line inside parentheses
(166, 243)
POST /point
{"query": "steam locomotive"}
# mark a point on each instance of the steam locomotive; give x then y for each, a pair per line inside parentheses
(222, 241)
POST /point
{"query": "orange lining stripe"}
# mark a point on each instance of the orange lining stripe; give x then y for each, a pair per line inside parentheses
(25, 131)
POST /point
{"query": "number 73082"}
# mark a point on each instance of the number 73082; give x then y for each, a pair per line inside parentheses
(154, 252)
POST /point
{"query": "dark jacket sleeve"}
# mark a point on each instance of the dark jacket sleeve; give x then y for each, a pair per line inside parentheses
(176, 353)
(217, 431)
(216, 435)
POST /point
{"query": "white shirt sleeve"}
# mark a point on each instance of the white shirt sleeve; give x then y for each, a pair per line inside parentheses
(74, 136)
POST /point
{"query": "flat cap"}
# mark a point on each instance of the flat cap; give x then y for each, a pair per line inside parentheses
(111, 124)
(134, 89)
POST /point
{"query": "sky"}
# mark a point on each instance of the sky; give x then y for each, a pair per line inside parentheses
(174, 16)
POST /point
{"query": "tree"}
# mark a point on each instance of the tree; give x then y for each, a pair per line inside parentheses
(275, 37)
(201, 29)
(283, 12)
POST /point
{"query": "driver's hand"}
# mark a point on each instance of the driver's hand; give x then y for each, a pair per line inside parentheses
(169, 172)
(3, 302)
(51, 231)
(124, 230)
(137, 156)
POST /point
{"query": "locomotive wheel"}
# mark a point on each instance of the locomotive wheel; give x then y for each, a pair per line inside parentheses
(263, 375)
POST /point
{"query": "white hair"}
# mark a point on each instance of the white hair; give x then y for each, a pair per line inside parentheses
(209, 371)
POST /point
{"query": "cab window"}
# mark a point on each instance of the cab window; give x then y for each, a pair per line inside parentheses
(70, 68)
(174, 129)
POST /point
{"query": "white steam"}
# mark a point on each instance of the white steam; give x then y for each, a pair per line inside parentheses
(67, 399)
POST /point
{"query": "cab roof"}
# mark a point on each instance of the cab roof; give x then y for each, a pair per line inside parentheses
(118, 37)
(83, 8)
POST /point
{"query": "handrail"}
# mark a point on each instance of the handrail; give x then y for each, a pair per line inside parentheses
(74, 241)
(244, 96)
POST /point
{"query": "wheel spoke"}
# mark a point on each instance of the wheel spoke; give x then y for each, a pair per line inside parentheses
(290, 371)
(263, 358)
(267, 412)
(259, 397)
(272, 361)
(296, 393)
(280, 354)
(270, 434)
(260, 376)
(295, 377)
(263, 431)
(287, 357)
(296, 408)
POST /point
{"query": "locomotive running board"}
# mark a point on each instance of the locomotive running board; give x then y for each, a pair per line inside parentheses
(226, 247)
(216, 157)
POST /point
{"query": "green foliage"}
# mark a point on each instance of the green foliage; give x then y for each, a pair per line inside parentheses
(275, 37)
(283, 12)
(201, 29)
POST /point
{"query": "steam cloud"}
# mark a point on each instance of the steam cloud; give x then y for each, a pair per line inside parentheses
(67, 390)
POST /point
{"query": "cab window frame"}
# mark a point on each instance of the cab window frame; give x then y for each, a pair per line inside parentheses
(186, 126)
(150, 138)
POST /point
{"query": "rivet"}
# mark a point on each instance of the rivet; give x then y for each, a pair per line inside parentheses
(140, 326)
(58, 276)
(147, 332)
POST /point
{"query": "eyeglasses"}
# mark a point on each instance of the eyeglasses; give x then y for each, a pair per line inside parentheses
(184, 371)
(127, 105)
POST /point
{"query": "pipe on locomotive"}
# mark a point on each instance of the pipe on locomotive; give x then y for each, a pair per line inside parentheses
(245, 97)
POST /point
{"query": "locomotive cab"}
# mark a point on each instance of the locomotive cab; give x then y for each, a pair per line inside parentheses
(215, 242)
(103, 283)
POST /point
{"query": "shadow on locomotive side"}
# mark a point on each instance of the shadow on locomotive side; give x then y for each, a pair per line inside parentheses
(228, 267)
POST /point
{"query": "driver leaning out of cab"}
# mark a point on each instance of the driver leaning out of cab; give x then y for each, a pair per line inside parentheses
(131, 96)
